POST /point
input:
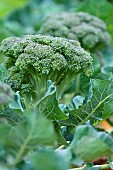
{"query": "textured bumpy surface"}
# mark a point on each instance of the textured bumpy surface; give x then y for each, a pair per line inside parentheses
(34, 59)
(89, 30)
(6, 93)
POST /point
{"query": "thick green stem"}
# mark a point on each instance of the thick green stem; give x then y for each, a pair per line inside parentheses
(81, 168)
(41, 87)
(65, 83)
(105, 166)
(77, 84)
(27, 100)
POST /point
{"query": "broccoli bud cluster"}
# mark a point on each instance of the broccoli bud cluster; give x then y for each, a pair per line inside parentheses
(6, 93)
(34, 59)
(89, 30)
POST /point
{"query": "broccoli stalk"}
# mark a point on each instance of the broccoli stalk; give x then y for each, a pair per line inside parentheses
(89, 30)
(34, 59)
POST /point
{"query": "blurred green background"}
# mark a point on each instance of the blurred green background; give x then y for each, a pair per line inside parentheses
(6, 6)
(19, 17)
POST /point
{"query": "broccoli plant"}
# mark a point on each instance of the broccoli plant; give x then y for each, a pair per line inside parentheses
(34, 59)
(89, 30)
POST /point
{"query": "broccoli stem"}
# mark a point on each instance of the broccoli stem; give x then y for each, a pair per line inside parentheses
(61, 79)
(40, 87)
(77, 84)
(27, 100)
(65, 83)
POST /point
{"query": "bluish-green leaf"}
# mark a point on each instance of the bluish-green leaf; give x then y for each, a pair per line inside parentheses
(32, 132)
(37, 129)
(49, 160)
(5, 130)
(78, 101)
(89, 144)
(16, 103)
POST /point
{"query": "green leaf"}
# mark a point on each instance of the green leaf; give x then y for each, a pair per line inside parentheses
(102, 93)
(96, 107)
(33, 131)
(78, 101)
(36, 129)
(49, 107)
(11, 115)
(16, 103)
(76, 116)
(5, 130)
(49, 160)
(60, 139)
(89, 144)
(108, 110)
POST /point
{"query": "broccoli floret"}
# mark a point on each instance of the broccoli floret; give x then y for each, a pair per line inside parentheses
(89, 30)
(6, 93)
(39, 58)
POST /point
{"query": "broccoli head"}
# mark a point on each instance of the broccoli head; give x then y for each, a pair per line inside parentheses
(89, 30)
(34, 59)
(6, 93)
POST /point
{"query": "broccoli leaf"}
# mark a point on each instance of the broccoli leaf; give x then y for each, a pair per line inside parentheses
(5, 129)
(98, 105)
(102, 93)
(108, 110)
(33, 131)
(49, 160)
(60, 139)
(88, 137)
(76, 116)
(48, 105)
(16, 103)
(36, 129)
(11, 115)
